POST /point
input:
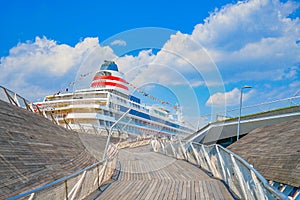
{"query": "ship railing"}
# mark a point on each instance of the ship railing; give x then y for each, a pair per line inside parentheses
(242, 179)
(78, 185)
(282, 105)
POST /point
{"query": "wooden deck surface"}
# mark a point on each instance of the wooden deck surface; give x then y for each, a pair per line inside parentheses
(274, 151)
(149, 175)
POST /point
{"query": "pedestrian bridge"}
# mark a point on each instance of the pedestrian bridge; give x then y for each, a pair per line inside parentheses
(149, 175)
(225, 131)
(148, 169)
(162, 170)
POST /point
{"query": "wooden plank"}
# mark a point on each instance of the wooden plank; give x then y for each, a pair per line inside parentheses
(171, 190)
(163, 192)
(202, 195)
(150, 190)
(188, 190)
(138, 192)
(216, 191)
(184, 187)
(197, 190)
(179, 194)
(192, 190)
(169, 183)
(158, 191)
(155, 176)
(205, 191)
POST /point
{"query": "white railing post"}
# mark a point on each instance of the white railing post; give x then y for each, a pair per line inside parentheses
(183, 151)
(16, 100)
(232, 171)
(221, 163)
(76, 187)
(163, 148)
(196, 154)
(202, 160)
(174, 151)
(31, 196)
(240, 177)
(210, 163)
(259, 191)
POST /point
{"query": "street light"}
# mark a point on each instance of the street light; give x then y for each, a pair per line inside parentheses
(239, 120)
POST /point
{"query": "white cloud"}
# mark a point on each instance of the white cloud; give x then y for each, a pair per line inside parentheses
(230, 98)
(45, 55)
(250, 40)
(128, 63)
(41, 66)
(291, 73)
(119, 43)
(181, 61)
(279, 74)
(295, 85)
(245, 22)
(255, 35)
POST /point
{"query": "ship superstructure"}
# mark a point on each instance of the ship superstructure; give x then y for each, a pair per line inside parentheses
(107, 99)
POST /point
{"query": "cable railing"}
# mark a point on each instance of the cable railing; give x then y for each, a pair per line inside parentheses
(243, 180)
(78, 185)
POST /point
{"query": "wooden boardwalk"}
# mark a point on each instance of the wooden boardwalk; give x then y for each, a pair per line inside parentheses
(34, 151)
(149, 175)
(274, 151)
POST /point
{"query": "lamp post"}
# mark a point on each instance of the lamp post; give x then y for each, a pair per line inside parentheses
(239, 120)
(125, 127)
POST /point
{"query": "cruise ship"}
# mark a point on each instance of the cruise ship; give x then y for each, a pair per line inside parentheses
(108, 104)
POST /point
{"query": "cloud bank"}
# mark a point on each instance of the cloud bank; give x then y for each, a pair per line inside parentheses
(231, 98)
(33, 67)
(119, 42)
(253, 40)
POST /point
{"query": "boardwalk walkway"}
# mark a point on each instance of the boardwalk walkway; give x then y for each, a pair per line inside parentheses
(149, 175)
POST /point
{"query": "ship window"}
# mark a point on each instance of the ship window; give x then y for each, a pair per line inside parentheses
(109, 65)
(103, 73)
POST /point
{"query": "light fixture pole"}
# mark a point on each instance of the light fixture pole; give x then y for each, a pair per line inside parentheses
(239, 120)
(110, 132)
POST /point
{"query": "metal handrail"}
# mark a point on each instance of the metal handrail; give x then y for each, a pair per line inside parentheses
(65, 179)
(259, 176)
(55, 182)
(219, 168)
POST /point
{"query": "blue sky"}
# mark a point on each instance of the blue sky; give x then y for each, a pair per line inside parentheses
(195, 53)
